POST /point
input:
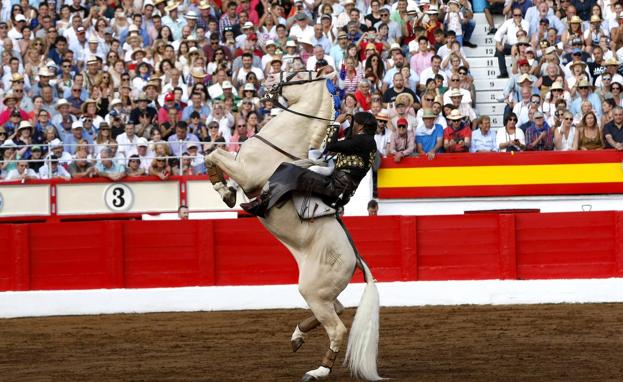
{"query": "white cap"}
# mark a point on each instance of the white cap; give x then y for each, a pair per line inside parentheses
(142, 142)
(20, 17)
(76, 125)
(9, 143)
(56, 143)
(247, 25)
(114, 102)
(412, 8)
(191, 144)
(248, 86)
(226, 85)
(191, 15)
(269, 42)
(290, 44)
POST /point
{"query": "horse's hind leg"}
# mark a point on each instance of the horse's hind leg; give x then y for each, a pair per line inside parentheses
(326, 315)
(307, 325)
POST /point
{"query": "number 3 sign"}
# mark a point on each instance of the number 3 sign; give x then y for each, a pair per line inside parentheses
(118, 197)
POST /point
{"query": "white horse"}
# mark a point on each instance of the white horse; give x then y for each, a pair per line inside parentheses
(322, 248)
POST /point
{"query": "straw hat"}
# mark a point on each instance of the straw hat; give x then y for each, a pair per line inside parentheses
(611, 61)
(204, 5)
(455, 93)
(171, 6)
(83, 108)
(428, 113)
(454, 115)
(62, 102)
(557, 85)
(142, 97)
(575, 20)
(9, 95)
(24, 125)
(198, 73)
(17, 77)
(404, 99)
(139, 50)
(383, 115)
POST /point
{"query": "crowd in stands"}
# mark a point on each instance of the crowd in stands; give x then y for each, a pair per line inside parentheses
(149, 87)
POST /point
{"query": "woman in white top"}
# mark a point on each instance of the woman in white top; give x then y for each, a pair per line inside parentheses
(511, 138)
(564, 135)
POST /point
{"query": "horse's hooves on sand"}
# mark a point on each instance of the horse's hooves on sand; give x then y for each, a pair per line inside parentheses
(296, 344)
(308, 378)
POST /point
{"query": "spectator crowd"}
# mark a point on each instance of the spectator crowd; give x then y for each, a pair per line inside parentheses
(149, 87)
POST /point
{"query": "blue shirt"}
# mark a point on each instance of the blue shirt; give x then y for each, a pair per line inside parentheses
(428, 142)
(204, 112)
(593, 99)
(482, 142)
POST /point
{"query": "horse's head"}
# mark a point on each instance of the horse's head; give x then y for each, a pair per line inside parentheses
(290, 85)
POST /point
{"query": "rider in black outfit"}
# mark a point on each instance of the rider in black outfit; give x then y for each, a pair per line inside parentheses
(355, 156)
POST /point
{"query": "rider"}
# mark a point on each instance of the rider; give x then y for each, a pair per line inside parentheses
(355, 156)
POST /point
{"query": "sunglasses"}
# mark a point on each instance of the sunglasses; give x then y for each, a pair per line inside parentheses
(516, 14)
(75, 90)
(568, 119)
(429, 99)
(512, 119)
(454, 79)
(463, 73)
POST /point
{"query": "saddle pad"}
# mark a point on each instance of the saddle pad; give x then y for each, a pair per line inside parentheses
(310, 207)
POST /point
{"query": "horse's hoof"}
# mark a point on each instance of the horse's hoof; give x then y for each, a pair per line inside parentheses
(230, 199)
(296, 344)
(308, 378)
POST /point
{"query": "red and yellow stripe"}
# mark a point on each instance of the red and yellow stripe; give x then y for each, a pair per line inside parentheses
(502, 174)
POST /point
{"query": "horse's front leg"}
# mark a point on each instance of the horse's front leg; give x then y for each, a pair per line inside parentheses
(220, 161)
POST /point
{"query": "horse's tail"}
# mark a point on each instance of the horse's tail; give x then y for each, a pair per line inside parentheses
(363, 341)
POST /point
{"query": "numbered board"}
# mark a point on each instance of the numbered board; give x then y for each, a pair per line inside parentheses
(485, 73)
(483, 39)
(490, 84)
(481, 51)
(493, 96)
(490, 108)
(128, 197)
(487, 62)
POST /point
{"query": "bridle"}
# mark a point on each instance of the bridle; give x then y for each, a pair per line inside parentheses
(277, 91)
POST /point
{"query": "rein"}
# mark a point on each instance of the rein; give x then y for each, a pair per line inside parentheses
(267, 142)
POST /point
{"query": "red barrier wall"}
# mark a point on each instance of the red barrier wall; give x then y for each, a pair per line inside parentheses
(143, 254)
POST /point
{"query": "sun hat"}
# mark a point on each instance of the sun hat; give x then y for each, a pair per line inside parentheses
(454, 115)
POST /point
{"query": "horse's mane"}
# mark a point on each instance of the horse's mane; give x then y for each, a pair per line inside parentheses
(319, 134)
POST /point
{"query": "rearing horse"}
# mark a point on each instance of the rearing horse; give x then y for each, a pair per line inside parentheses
(322, 248)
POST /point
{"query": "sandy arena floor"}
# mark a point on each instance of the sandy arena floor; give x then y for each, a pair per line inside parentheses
(465, 343)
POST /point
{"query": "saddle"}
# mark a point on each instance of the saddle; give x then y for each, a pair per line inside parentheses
(311, 207)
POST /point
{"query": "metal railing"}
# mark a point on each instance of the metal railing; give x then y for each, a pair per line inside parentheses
(92, 159)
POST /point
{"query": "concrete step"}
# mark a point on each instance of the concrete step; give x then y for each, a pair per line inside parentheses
(481, 51)
(487, 62)
(485, 96)
(490, 84)
(480, 19)
(490, 108)
(484, 73)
